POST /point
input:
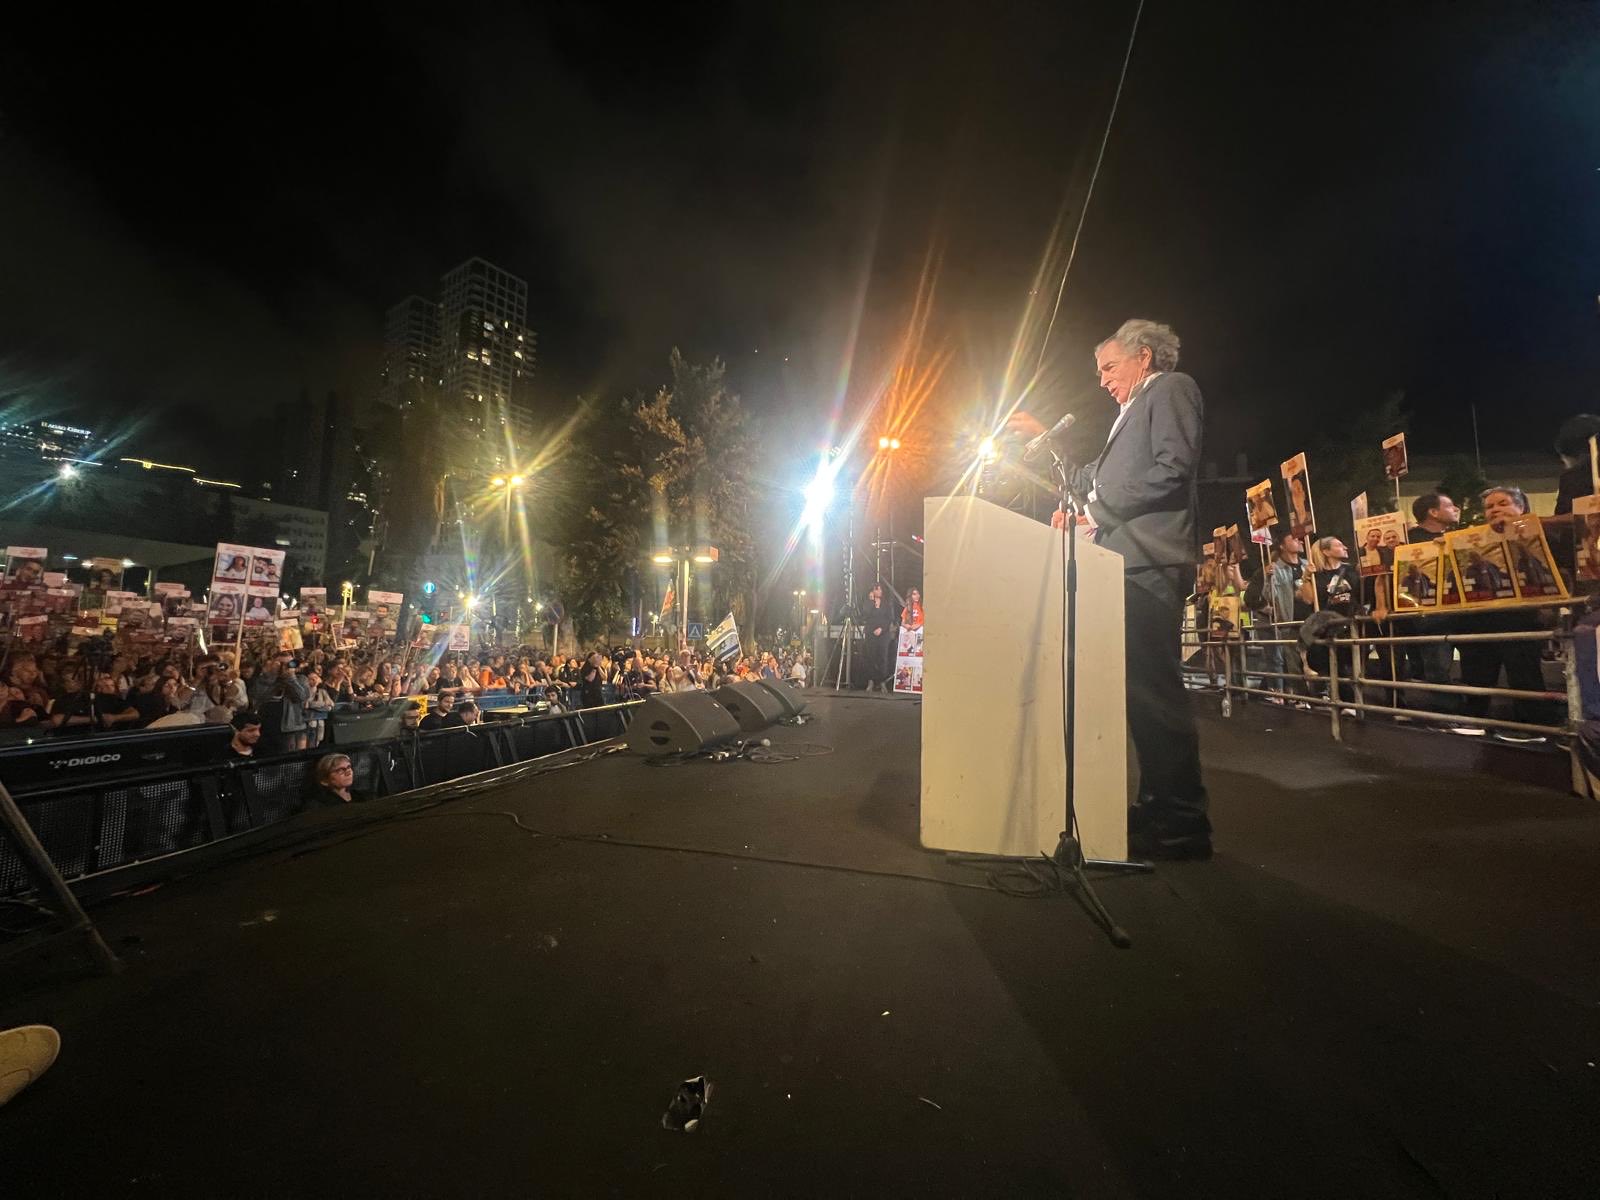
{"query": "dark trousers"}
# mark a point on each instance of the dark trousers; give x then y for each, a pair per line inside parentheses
(1430, 663)
(1480, 667)
(1159, 719)
(879, 656)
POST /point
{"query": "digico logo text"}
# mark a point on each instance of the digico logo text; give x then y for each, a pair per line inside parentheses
(86, 760)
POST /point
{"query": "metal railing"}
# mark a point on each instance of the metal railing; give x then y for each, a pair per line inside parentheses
(100, 830)
(1227, 669)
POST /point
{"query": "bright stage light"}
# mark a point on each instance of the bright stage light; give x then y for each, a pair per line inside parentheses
(883, 443)
(819, 494)
(516, 481)
(472, 602)
(986, 450)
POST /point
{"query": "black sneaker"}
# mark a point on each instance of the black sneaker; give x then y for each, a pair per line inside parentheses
(1159, 846)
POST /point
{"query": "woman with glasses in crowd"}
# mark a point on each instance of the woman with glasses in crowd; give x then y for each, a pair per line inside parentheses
(335, 779)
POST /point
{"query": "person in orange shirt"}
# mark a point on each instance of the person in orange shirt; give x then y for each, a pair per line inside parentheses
(911, 615)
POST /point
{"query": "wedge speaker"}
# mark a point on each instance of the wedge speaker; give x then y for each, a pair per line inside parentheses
(680, 723)
(792, 699)
(751, 705)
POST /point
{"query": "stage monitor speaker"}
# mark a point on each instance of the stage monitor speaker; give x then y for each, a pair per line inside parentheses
(794, 703)
(354, 727)
(680, 723)
(751, 705)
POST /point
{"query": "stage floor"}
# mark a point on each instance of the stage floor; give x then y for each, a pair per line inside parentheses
(1386, 984)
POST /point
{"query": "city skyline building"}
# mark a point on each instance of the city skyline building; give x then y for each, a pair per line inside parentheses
(486, 350)
(410, 350)
(474, 344)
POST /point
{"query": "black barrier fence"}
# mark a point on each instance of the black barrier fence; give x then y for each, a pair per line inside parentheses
(98, 819)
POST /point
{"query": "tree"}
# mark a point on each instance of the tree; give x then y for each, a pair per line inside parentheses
(665, 470)
(1348, 460)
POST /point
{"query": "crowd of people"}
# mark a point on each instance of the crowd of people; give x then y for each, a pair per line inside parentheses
(286, 696)
(1302, 577)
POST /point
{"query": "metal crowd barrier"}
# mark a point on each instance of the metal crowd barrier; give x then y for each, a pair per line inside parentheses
(1227, 670)
(98, 829)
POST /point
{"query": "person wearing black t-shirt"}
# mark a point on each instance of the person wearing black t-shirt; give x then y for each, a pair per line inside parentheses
(437, 717)
(592, 682)
(246, 733)
(1436, 514)
(1338, 591)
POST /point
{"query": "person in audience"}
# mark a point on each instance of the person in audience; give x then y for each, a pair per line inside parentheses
(334, 775)
(25, 700)
(1274, 593)
(592, 681)
(246, 735)
(1436, 514)
(638, 680)
(442, 715)
(1483, 662)
(152, 696)
(112, 709)
(72, 710)
(1572, 445)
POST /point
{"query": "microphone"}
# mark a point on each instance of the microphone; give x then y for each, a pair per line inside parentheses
(1032, 449)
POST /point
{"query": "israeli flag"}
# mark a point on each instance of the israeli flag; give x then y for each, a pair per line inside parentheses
(723, 641)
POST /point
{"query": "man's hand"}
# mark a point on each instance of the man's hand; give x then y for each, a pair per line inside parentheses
(1024, 425)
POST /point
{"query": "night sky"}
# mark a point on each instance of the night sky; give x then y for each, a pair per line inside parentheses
(1328, 202)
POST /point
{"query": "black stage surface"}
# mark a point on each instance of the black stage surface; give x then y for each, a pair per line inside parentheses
(1386, 984)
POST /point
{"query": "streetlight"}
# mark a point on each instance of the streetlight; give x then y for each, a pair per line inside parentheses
(682, 556)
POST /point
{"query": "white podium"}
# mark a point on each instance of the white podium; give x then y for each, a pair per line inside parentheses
(993, 756)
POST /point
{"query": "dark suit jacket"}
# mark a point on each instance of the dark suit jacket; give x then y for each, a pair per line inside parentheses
(1144, 480)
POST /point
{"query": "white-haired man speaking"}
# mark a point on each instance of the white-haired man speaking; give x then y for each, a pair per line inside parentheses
(1140, 502)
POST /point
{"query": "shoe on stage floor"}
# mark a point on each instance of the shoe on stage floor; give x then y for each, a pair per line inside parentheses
(1160, 846)
(26, 1053)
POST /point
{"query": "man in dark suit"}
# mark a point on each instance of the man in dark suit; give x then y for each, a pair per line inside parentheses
(1140, 499)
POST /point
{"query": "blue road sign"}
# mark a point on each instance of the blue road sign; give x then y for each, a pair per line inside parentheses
(697, 631)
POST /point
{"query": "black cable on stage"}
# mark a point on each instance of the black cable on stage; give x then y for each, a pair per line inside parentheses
(602, 839)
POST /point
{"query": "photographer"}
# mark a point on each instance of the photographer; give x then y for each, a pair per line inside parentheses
(283, 713)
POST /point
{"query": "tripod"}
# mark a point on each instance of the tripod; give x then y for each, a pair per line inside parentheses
(1064, 870)
(848, 612)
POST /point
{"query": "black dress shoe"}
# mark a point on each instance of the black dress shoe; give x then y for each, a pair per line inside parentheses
(1159, 846)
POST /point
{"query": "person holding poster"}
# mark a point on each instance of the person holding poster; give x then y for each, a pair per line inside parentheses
(1482, 662)
(1140, 500)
